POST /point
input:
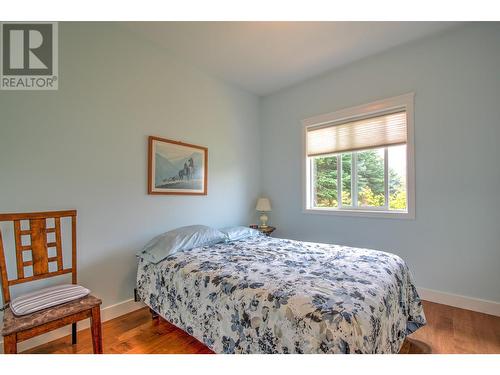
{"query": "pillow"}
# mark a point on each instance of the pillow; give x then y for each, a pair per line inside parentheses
(47, 297)
(184, 238)
(239, 233)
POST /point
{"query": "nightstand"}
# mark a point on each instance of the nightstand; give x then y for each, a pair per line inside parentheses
(266, 230)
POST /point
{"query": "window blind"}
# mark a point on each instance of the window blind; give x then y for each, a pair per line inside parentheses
(379, 131)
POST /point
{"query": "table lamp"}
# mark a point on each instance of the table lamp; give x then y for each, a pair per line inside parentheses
(263, 206)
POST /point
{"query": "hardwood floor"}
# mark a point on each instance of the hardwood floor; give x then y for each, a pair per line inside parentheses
(449, 330)
(133, 333)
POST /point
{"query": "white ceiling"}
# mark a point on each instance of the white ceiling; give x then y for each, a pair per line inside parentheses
(264, 57)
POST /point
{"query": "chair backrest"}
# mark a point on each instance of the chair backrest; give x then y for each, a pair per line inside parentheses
(39, 248)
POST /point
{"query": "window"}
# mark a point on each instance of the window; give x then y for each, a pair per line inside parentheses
(359, 161)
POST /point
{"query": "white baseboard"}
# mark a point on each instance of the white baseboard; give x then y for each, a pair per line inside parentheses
(463, 302)
(107, 313)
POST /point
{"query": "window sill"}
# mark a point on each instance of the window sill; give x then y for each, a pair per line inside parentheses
(361, 213)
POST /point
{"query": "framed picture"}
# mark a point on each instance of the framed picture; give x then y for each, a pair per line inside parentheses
(176, 167)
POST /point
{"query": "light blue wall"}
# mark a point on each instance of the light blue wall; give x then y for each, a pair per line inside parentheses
(85, 147)
(453, 245)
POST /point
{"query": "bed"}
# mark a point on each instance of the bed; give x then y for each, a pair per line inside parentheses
(271, 295)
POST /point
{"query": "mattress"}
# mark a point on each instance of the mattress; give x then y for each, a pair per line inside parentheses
(271, 295)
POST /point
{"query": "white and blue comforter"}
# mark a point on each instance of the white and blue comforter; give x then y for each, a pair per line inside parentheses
(269, 295)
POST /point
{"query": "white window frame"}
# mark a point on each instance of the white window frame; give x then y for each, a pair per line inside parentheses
(404, 102)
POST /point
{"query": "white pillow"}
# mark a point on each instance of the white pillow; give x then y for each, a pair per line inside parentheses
(239, 233)
(47, 297)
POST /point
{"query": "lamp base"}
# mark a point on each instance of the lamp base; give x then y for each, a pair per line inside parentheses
(263, 221)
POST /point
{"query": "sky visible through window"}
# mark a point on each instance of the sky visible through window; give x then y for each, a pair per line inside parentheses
(397, 160)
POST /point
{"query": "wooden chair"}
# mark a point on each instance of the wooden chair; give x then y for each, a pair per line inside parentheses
(20, 328)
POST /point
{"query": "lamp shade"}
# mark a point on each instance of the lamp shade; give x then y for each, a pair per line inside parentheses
(263, 205)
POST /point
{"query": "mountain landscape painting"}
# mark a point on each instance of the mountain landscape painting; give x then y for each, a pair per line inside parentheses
(177, 167)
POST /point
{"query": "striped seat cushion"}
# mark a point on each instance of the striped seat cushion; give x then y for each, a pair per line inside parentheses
(47, 297)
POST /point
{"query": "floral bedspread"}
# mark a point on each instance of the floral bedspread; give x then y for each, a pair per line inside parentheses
(270, 295)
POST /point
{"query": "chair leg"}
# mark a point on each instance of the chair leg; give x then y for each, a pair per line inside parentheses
(10, 344)
(73, 334)
(95, 322)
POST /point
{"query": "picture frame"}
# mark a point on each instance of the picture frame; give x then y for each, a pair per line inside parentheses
(176, 168)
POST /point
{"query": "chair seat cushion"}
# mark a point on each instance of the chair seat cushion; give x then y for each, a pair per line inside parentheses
(47, 297)
(13, 323)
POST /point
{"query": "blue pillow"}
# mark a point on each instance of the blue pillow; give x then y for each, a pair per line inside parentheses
(184, 238)
(239, 233)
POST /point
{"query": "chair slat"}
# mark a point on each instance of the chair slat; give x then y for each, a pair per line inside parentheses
(73, 249)
(57, 228)
(38, 277)
(19, 250)
(30, 262)
(39, 246)
(3, 273)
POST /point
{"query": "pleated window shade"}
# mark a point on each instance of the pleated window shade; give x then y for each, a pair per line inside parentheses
(380, 131)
